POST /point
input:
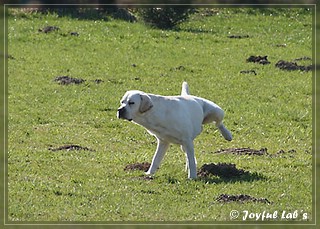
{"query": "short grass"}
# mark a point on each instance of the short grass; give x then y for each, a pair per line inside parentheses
(272, 110)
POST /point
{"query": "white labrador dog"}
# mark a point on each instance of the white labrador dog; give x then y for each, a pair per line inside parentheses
(172, 119)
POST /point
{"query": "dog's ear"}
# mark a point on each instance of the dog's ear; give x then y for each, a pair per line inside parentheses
(145, 104)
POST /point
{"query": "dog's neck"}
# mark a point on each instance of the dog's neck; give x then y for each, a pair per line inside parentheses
(144, 119)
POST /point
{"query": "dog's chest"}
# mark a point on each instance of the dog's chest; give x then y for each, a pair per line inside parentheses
(164, 132)
(165, 135)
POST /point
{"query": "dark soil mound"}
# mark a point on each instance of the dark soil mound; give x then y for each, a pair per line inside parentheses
(292, 66)
(179, 68)
(244, 151)
(97, 81)
(144, 166)
(302, 58)
(225, 198)
(66, 80)
(258, 59)
(281, 45)
(70, 147)
(221, 169)
(238, 36)
(283, 154)
(248, 72)
(48, 29)
(74, 33)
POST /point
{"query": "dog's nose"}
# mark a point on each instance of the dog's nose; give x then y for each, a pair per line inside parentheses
(120, 109)
(120, 112)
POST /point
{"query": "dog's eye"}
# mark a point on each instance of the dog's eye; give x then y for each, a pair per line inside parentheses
(131, 103)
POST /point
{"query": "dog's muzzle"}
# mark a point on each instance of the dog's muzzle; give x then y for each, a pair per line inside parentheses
(122, 113)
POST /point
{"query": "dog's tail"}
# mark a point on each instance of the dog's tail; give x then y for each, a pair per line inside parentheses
(185, 89)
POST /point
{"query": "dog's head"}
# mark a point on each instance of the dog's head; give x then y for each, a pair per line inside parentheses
(134, 103)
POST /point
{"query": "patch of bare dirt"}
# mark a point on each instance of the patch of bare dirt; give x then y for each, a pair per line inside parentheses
(179, 68)
(238, 36)
(98, 81)
(281, 45)
(248, 72)
(225, 198)
(261, 152)
(292, 66)
(259, 59)
(244, 151)
(302, 58)
(144, 166)
(70, 147)
(282, 64)
(66, 80)
(283, 154)
(74, 33)
(48, 29)
(221, 169)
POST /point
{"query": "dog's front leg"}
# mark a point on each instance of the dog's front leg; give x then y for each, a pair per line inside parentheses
(158, 156)
(188, 148)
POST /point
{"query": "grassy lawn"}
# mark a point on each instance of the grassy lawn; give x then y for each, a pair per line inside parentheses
(269, 109)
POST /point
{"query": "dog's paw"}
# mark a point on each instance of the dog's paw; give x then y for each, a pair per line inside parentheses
(148, 173)
(225, 132)
(193, 178)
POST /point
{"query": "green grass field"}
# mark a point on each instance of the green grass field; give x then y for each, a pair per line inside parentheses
(272, 109)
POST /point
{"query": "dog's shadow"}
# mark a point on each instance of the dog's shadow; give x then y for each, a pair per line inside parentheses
(247, 177)
(208, 173)
(215, 179)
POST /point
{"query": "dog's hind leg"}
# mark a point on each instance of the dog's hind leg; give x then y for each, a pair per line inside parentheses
(158, 156)
(187, 161)
(224, 131)
(191, 163)
(213, 113)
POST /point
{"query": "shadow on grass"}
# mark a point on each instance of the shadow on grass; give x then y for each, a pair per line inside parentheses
(214, 179)
(208, 173)
(195, 30)
(247, 177)
(89, 13)
(226, 172)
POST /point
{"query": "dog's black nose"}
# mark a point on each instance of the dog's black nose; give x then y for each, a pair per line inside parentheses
(121, 112)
